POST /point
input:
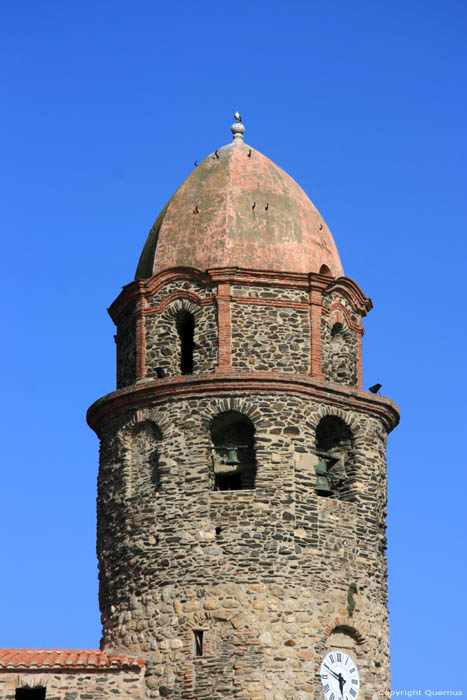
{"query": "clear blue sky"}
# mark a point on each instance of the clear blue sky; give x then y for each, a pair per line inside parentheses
(105, 106)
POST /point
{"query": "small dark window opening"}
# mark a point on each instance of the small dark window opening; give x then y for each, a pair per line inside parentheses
(30, 694)
(337, 328)
(218, 531)
(185, 324)
(198, 642)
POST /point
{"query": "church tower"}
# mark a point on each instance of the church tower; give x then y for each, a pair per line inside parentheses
(242, 481)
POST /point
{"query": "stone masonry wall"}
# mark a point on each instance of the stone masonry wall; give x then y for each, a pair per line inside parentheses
(268, 338)
(76, 684)
(269, 292)
(163, 345)
(126, 354)
(263, 573)
(340, 342)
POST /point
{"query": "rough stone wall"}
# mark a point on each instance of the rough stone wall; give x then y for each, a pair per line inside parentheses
(264, 571)
(126, 354)
(163, 346)
(269, 338)
(269, 292)
(76, 684)
(340, 343)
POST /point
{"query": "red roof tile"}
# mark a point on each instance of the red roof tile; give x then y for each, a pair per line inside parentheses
(56, 659)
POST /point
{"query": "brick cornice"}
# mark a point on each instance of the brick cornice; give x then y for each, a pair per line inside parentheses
(352, 292)
(152, 391)
(124, 305)
(237, 275)
(130, 297)
(153, 284)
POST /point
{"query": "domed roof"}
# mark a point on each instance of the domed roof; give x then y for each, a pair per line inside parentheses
(239, 209)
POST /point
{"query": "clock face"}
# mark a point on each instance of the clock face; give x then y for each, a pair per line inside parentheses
(339, 676)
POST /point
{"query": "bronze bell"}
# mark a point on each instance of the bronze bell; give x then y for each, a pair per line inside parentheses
(323, 487)
(232, 456)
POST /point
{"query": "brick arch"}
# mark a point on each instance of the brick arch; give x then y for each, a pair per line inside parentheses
(143, 415)
(231, 403)
(346, 626)
(181, 301)
(337, 316)
(325, 410)
(235, 619)
(139, 417)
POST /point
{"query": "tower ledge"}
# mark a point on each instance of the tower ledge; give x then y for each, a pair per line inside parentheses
(151, 391)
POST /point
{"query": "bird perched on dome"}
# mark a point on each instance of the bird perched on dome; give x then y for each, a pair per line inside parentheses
(237, 117)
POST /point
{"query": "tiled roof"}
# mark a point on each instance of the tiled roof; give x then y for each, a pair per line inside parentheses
(65, 659)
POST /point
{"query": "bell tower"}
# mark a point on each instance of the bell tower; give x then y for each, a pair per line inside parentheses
(242, 480)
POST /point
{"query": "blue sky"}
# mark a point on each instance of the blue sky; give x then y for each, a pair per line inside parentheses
(105, 106)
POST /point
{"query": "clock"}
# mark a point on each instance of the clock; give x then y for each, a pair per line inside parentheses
(339, 676)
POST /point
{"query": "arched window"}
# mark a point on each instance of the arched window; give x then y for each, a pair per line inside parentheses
(334, 449)
(339, 354)
(144, 457)
(185, 324)
(234, 458)
(324, 270)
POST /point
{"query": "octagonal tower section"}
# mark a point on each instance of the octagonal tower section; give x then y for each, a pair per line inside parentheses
(242, 480)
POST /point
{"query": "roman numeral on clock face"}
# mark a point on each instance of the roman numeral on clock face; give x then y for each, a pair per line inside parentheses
(326, 688)
(355, 681)
(353, 693)
(352, 669)
(339, 656)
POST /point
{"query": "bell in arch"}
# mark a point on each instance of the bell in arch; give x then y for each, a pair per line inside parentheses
(323, 487)
(232, 457)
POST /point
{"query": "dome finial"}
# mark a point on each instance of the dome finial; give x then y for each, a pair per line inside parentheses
(237, 129)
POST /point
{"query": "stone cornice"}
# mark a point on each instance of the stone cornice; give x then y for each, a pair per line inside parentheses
(186, 386)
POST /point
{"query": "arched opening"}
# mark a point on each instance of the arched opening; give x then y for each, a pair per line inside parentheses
(336, 330)
(334, 448)
(339, 354)
(185, 324)
(234, 460)
(324, 270)
(144, 457)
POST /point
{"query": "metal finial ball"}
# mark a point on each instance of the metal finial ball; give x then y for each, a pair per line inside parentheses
(237, 128)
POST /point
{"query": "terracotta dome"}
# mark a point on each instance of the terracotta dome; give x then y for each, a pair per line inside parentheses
(239, 209)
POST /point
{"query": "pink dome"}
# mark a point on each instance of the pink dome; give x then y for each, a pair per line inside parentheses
(239, 209)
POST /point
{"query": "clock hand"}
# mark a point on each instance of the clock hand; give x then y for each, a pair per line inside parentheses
(331, 671)
(341, 680)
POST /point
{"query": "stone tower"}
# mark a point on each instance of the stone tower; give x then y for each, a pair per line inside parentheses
(242, 482)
